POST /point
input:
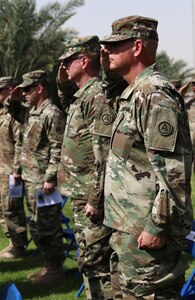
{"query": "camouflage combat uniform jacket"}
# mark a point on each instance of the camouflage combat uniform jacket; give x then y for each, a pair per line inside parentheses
(11, 140)
(86, 145)
(147, 185)
(190, 105)
(43, 135)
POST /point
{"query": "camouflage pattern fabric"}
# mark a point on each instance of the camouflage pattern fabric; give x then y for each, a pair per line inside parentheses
(11, 135)
(85, 145)
(132, 27)
(42, 141)
(14, 214)
(85, 44)
(147, 185)
(45, 226)
(40, 156)
(150, 277)
(34, 78)
(191, 116)
(81, 176)
(7, 81)
(2, 221)
(13, 210)
(94, 252)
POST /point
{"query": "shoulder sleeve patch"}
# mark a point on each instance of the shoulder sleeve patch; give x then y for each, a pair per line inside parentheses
(161, 131)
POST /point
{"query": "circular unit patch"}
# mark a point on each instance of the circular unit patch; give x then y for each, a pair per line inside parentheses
(106, 119)
(165, 128)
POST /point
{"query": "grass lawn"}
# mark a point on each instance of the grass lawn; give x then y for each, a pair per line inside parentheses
(17, 270)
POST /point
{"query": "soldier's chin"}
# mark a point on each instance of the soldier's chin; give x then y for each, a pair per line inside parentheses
(112, 65)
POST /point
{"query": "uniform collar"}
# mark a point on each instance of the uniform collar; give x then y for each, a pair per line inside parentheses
(145, 73)
(34, 111)
(82, 90)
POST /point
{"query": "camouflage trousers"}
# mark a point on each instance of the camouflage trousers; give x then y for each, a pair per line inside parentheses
(94, 253)
(45, 227)
(2, 220)
(14, 214)
(144, 275)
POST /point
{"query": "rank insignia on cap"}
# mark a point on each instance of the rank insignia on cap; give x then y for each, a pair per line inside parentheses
(106, 119)
(165, 128)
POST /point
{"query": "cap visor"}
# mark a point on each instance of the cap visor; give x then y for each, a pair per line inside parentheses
(63, 56)
(66, 55)
(23, 84)
(114, 39)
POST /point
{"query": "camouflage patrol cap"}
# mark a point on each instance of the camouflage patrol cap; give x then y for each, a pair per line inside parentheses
(132, 27)
(7, 81)
(34, 78)
(84, 44)
(193, 79)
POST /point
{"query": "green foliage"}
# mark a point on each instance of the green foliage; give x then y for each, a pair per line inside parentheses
(32, 40)
(173, 69)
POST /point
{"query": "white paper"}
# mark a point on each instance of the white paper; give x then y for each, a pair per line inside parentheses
(43, 199)
(15, 191)
(191, 236)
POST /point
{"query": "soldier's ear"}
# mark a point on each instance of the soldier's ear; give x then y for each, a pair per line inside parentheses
(137, 48)
(40, 88)
(84, 61)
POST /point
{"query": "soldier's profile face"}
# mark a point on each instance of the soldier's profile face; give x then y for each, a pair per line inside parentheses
(30, 93)
(73, 67)
(120, 55)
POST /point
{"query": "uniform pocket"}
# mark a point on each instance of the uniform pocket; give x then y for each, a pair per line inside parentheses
(105, 117)
(123, 138)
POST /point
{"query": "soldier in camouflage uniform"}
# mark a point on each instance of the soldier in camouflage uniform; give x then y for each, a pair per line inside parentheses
(147, 184)
(42, 140)
(12, 208)
(190, 105)
(84, 152)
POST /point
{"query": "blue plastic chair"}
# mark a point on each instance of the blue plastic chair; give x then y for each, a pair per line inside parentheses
(10, 292)
(65, 220)
(68, 234)
(188, 290)
(80, 290)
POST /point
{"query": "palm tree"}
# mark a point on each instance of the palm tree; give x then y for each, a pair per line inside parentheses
(32, 40)
(173, 69)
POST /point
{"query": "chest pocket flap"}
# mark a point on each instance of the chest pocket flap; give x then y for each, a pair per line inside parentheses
(104, 119)
(123, 137)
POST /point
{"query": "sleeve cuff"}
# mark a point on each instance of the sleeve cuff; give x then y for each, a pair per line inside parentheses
(17, 170)
(95, 202)
(154, 230)
(49, 178)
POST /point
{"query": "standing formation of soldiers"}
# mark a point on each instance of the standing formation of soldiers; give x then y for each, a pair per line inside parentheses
(121, 151)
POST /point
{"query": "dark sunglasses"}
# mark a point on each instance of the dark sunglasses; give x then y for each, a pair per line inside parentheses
(71, 59)
(26, 89)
